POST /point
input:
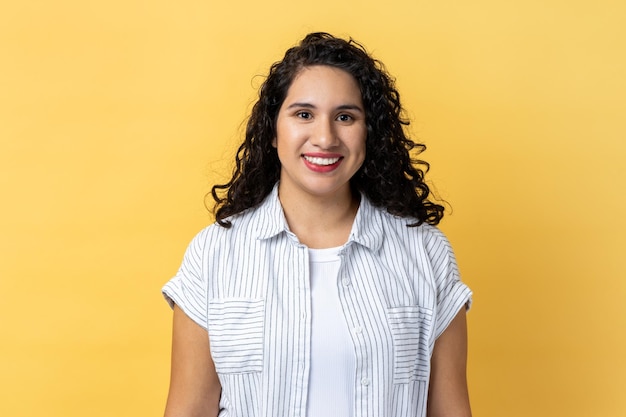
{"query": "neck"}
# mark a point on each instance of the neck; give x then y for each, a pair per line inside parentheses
(320, 222)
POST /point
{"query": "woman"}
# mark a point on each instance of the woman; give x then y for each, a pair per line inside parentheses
(324, 288)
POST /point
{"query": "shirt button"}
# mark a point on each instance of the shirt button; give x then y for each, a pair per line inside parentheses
(345, 282)
(303, 316)
(365, 381)
(358, 330)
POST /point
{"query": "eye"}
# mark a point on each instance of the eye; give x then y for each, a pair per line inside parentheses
(304, 115)
(344, 118)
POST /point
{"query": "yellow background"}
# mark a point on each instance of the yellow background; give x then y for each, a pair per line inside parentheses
(116, 116)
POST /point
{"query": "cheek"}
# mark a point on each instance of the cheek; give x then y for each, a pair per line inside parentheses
(363, 143)
(362, 161)
(363, 151)
(281, 132)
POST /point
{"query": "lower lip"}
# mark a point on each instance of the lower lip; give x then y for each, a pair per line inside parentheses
(321, 168)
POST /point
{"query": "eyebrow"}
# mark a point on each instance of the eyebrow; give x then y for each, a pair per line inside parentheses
(312, 106)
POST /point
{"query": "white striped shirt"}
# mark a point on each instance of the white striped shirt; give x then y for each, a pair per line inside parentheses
(249, 287)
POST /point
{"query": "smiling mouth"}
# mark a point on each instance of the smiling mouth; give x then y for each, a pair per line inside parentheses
(316, 160)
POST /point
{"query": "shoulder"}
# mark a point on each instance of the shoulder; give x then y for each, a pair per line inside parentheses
(433, 236)
(204, 237)
(242, 226)
(424, 231)
(215, 230)
(425, 238)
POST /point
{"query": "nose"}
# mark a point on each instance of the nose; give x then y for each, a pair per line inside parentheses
(324, 134)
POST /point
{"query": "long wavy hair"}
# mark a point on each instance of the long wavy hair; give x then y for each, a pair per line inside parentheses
(389, 177)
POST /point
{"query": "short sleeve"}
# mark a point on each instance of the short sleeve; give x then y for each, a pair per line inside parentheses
(188, 288)
(452, 293)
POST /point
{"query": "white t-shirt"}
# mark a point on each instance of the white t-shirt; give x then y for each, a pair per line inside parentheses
(331, 379)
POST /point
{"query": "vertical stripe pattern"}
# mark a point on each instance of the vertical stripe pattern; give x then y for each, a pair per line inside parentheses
(398, 286)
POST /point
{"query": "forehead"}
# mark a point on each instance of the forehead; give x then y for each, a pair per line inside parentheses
(324, 81)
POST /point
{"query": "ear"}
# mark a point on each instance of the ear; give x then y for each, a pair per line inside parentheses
(274, 142)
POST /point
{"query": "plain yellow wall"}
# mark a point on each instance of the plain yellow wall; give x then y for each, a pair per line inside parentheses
(115, 118)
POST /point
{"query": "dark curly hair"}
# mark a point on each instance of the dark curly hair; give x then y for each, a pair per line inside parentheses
(389, 177)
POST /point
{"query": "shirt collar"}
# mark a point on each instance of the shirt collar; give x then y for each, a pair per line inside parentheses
(366, 230)
(269, 218)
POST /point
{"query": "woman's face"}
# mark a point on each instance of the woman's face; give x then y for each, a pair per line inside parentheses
(320, 133)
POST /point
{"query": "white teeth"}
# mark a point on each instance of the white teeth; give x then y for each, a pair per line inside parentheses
(321, 161)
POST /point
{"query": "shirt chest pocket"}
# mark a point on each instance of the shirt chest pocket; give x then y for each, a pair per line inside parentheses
(235, 328)
(411, 329)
